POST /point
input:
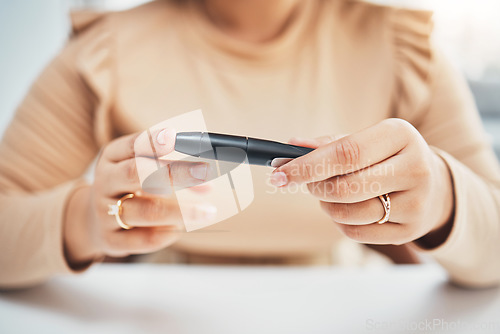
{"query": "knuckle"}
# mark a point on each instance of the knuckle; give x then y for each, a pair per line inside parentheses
(322, 189)
(131, 143)
(157, 238)
(347, 152)
(401, 126)
(409, 232)
(154, 210)
(131, 170)
(420, 172)
(398, 123)
(313, 188)
(415, 207)
(340, 212)
(152, 238)
(405, 234)
(353, 232)
(425, 172)
(307, 171)
(105, 152)
(399, 242)
(342, 189)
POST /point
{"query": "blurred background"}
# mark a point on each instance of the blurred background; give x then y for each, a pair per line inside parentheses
(33, 31)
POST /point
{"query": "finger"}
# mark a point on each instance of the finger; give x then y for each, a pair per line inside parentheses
(278, 162)
(175, 176)
(348, 154)
(305, 142)
(124, 176)
(185, 174)
(313, 142)
(159, 211)
(382, 178)
(203, 188)
(369, 211)
(152, 144)
(378, 234)
(150, 211)
(140, 240)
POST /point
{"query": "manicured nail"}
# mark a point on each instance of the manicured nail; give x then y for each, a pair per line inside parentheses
(165, 136)
(278, 162)
(199, 171)
(205, 212)
(279, 179)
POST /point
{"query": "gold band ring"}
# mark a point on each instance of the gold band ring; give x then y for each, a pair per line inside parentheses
(386, 203)
(117, 209)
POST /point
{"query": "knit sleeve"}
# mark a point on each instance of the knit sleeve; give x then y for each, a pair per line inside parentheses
(54, 136)
(435, 98)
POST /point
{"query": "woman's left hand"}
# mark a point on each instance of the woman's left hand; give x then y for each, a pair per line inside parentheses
(349, 174)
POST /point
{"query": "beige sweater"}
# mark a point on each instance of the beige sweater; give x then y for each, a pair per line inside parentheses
(340, 66)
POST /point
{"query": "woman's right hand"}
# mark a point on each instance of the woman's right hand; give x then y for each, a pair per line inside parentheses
(89, 232)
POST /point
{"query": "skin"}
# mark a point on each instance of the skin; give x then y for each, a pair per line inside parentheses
(88, 231)
(91, 233)
(348, 174)
(256, 21)
(421, 189)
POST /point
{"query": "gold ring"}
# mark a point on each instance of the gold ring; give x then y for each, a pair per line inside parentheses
(117, 209)
(386, 203)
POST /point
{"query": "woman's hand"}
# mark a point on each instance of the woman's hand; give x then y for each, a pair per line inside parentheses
(89, 231)
(347, 176)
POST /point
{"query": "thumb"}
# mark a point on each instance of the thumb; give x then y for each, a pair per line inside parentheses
(314, 142)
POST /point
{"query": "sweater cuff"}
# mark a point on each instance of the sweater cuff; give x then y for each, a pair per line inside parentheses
(463, 252)
(60, 263)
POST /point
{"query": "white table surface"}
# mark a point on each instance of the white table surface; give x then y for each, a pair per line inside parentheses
(145, 298)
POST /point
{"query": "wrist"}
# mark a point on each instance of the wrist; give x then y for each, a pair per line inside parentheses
(79, 247)
(446, 211)
(445, 183)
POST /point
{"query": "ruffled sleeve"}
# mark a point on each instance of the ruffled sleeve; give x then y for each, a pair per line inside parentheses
(435, 98)
(54, 136)
(95, 64)
(413, 58)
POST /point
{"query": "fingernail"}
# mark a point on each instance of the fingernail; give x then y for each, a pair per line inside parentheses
(205, 211)
(279, 179)
(165, 136)
(199, 171)
(278, 162)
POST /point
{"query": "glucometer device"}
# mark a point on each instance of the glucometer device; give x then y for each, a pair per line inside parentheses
(237, 149)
